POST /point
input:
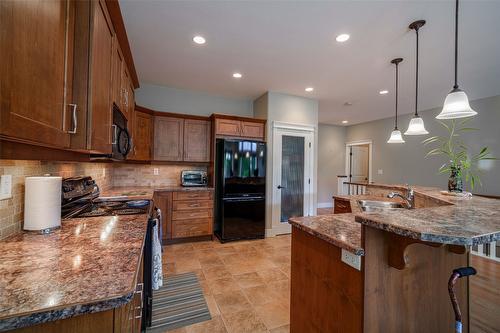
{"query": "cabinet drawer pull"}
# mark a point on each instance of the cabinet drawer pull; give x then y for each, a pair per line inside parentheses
(115, 134)
(74, 121)
(194, 205)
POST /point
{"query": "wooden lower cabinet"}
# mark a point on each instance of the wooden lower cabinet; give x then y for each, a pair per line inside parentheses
(186, 214)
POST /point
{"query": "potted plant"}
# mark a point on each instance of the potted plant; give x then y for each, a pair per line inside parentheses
(459, 161)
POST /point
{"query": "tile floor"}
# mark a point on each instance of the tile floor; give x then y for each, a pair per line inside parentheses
(246, 284)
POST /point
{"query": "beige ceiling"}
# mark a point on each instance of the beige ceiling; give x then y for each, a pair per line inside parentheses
(286, 46)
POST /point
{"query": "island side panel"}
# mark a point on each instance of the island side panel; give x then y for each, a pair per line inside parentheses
(414, 299)
(326, 294)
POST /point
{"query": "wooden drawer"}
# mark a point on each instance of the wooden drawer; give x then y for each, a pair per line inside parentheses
(192, 204)
(192, 214)
(190, 195)
(191, 228)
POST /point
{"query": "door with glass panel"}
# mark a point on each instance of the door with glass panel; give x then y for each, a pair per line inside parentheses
(292, 176)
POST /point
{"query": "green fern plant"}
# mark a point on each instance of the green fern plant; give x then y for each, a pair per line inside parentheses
(457, 153)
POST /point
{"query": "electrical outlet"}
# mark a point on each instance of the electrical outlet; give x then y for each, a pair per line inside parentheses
(5, 187)
(351, 259)
(156, 172)
(103, 172)
(380, 171)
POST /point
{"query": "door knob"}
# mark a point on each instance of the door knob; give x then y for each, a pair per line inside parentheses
(280, 187)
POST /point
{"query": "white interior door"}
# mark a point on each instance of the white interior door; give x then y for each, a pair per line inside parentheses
(293, 160)
(359, 157)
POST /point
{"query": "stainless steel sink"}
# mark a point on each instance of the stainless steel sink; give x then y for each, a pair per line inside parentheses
(375, 206)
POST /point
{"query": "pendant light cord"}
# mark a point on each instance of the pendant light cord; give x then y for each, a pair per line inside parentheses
(456, 44)
(416, 79)
(396, 123)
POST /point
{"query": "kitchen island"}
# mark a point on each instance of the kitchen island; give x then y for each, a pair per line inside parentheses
(403, 259)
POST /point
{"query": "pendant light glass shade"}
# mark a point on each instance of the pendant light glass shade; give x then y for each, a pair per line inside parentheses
(456, 105)
(396, 137)
(416, 127)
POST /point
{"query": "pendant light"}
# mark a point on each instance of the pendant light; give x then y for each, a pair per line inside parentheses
(456, 104)
(396, 136)
(416, 126)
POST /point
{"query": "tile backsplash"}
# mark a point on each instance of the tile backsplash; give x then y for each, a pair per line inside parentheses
(11, 210)
(144, 175)
(105, 174)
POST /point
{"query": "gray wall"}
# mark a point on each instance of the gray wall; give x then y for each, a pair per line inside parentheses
(331, 161)
(169, 99)
(406, 163)
(288, 109)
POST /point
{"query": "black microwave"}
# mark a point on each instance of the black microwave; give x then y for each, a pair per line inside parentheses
(121, 140)
(194, 178)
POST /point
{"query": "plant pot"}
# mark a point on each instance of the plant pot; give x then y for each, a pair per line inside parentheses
(455, 183)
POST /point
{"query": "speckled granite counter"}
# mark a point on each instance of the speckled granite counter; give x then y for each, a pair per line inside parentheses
(339, 229)
(147, 192)
(89, 265)
(438, 218)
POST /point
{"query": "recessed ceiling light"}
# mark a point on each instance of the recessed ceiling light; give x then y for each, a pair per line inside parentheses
(383, 92)
(342, 38)
(237, 75)
(344, 121)
(199, 40)
(309, 89)
(347, 103)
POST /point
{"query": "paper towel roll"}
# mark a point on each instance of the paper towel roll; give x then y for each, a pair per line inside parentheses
(42, 203)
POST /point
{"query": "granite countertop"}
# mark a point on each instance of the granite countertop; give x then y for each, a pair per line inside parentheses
(147, 192)
(340, 229)
(88, 265)
(441, 219)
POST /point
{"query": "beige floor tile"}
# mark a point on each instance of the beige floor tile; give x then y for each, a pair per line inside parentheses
(187, 265)
(212, 306)
(281, 329)
(232, 301)
(215, 325)
(260, 295)
(184, 247)
(272, 275)
(177, 330)
(207, 262)
(216, 272)
(205, 287)
(220, 286)
(248, 280)
(273, 314)
(204, 245)
(245, 321)
(169, 268)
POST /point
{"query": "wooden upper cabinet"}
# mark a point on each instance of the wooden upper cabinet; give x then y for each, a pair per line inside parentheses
(125, 89)
(228, 127)
(252, 129)
(142, 137)
(196, 140)
(101, 79)
(117, 92)
(168, 138)
(36, 88)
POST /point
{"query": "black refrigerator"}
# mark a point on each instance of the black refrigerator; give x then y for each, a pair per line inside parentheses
(240, 187)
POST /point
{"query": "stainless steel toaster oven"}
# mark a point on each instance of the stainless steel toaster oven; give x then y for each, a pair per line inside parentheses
(194, 178)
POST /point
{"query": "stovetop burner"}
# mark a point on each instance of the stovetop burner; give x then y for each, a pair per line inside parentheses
(107, 208)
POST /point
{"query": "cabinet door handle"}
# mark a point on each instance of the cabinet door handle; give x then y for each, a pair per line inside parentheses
(194, 205)
(115, 134)
(140, 291)
(74, 120)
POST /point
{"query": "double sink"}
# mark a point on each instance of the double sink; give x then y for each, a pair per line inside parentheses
(377, 206)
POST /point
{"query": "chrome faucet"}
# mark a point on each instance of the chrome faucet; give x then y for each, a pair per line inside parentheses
(409, 200)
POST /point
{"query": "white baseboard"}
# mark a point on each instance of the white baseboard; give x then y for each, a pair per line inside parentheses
(325, 205)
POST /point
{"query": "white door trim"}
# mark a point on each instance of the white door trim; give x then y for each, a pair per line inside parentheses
(370, 156)
(307, 132)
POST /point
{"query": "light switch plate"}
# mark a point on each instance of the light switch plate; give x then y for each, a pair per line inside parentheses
(5, 187)
(351, 259)
(156, 172)
(380, 172)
